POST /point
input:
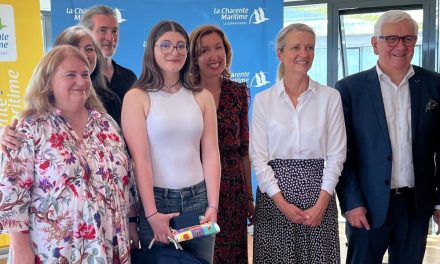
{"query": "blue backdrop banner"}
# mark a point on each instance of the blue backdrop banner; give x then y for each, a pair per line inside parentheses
(251, 26)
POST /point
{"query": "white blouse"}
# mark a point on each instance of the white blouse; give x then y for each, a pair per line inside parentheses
(315, 129)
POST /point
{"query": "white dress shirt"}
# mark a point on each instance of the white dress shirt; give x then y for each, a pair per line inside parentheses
(397, 104)
(315, 129)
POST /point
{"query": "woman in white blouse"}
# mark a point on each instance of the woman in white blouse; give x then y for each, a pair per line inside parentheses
(297, 148)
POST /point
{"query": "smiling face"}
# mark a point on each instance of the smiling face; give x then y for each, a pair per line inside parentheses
(87, 48)
(298, 52)
(394, 59)
(106, 32)
(71, 83)
(173, 62)
(212, 58)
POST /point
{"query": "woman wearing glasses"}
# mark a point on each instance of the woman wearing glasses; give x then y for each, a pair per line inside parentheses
(171, 130)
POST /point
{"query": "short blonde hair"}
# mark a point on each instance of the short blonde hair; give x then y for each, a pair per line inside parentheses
(39, 98)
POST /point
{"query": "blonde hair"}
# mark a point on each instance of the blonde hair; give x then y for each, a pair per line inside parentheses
(39, 98)
(73, 36)
(281, 41)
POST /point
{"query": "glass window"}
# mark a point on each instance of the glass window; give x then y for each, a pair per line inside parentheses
(358, 30)
(314, 16)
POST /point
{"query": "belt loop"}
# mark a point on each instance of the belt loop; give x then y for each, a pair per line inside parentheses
(193, 190)
(165, 193)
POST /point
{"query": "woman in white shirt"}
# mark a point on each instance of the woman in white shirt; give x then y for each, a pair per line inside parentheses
(297, 148)
(170, 126)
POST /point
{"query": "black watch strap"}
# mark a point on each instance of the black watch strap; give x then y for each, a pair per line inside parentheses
(133, 219)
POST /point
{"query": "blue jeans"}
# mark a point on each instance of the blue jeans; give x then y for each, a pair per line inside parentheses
(189, 199)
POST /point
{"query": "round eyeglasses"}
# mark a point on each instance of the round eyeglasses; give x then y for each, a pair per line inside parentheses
(167, 47)
(392, 41)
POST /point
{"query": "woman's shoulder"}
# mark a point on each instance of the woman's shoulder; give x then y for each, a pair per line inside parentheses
(135, 91)
(136, 94)
(233, 89)
(233, 85)
(324, 89)
(327, 95)
(203, 94)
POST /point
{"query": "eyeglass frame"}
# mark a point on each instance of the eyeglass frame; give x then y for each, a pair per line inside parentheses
(399, 38)
(174, 47)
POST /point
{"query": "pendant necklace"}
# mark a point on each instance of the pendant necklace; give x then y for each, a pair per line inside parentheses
(170, 86)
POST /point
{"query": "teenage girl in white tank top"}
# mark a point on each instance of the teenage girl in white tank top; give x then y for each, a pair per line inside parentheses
(171, 130)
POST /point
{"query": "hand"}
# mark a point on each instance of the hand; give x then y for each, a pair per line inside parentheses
(134, 235)
(317, 211)
(316, 214)
(23, 255)
(210, 215)
(295, 214)
(250, 211)
(436, 216)
(357, 217)
(9, 138)
(292, 212)
(160, 223)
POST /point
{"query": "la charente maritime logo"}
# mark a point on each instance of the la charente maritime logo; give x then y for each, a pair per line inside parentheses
(259, 79)
(119, 15)
(8, 47)
(241, 16)
(258, 16)
(78, 12)
(1, 24)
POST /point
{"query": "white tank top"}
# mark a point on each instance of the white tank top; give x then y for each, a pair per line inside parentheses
(174, 127)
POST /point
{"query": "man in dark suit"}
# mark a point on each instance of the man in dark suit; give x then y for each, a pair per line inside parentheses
(390, 185)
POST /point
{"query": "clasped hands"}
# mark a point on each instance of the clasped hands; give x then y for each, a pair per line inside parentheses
(309, 217)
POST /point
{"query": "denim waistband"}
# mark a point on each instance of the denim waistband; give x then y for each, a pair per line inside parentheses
(181, 193)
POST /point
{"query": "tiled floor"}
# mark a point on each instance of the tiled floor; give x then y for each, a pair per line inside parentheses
(432, 254)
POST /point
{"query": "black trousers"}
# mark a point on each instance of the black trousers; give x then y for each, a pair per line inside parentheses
(404, 234)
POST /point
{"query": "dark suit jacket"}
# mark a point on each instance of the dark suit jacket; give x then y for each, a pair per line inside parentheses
(366, 177)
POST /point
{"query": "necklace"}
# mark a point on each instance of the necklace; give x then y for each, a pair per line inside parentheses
(170, 86)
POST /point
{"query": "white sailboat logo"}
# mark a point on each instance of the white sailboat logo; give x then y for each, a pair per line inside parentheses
(119, 16)
(258, 16)
(260, 79)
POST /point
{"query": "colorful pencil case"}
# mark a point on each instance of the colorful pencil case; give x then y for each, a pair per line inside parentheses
(196, 231)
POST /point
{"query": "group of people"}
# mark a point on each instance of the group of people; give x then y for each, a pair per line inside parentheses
(83, 149)
(76, 188)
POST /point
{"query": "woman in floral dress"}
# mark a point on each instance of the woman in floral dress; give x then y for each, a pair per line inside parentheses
(66, 191)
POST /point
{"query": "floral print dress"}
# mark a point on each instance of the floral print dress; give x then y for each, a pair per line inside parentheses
(72, 196)
(233, 134)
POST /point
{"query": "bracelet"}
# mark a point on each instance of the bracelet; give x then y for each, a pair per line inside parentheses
(213, 207)
(133, 219)
(151, 215)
